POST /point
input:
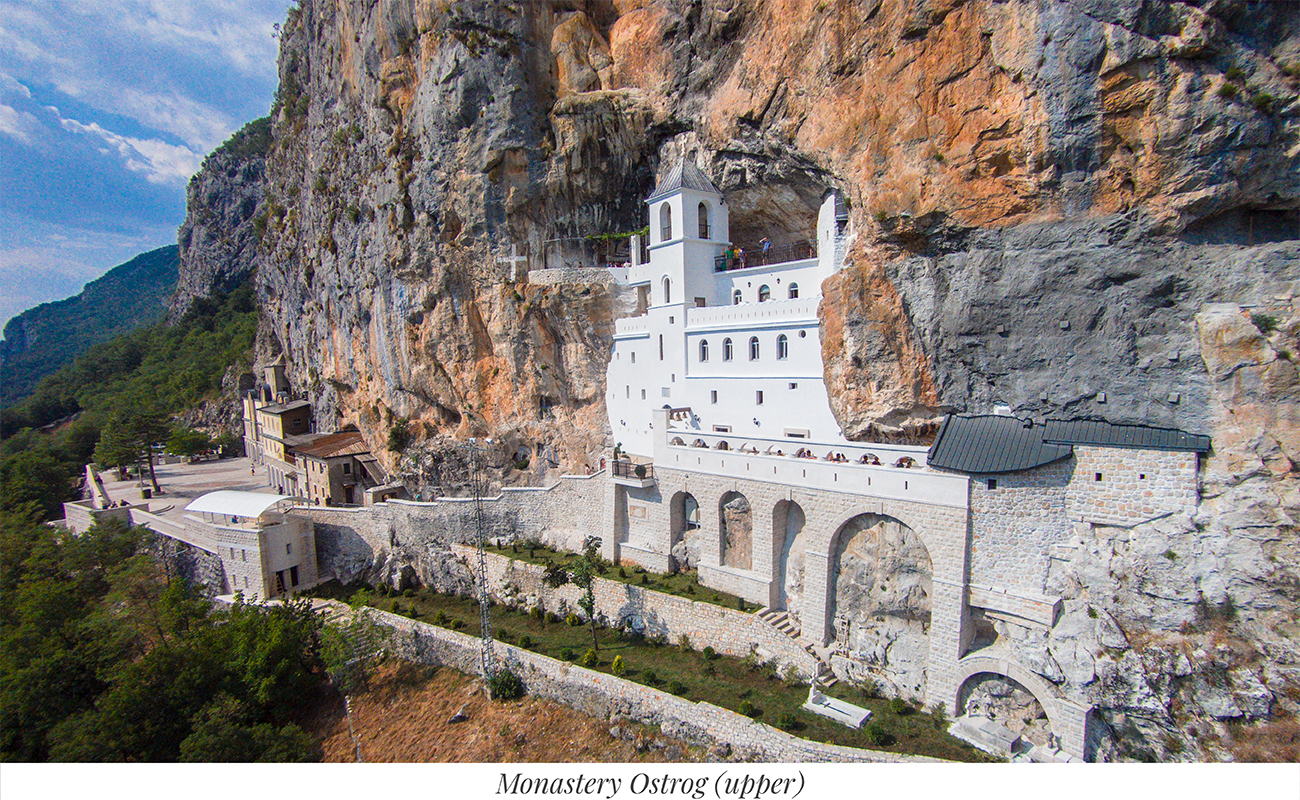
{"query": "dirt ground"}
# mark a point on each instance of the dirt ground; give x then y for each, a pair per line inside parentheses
(404, 716)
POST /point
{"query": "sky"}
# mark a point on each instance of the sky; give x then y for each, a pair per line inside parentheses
(106, 109)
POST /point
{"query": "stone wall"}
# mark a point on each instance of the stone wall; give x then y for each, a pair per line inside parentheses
(728, 631)
(371, 542)
(606, 696)
(1015, 517)
(571, 275)
(1135, 485)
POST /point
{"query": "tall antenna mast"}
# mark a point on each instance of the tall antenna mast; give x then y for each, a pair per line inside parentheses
(478, 482)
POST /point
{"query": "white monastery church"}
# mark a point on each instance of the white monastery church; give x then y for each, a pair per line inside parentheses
(732, 337)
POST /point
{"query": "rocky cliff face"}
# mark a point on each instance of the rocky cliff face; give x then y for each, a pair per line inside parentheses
(1067, 208)
(219, 238)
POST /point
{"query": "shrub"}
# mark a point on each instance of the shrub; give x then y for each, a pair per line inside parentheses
(457, 624)
(940, 716)
(504, 634)
(1171, 555)
(875, 735)
(868, 687)
(618, 667)
(567, 654)
(399, 436)
(551, 617)
(622, 573)
(899, 707)
(640, 470)
(589, 658)
(536, 613)
(1267, 323)
(1227, 91)
(572, 620)
(787, 721)
(408, 593)
(790, 675)
(709, 653)
(645, 579)
(1234, 74)
(709, 669)
(1264, 102)
(440, 617)
(1092, 612)
(650, 677)
(414, 613)
(505, 685)
(740, 603)
(747, 708)
(677, 688)
(684, 643)
(526, 641)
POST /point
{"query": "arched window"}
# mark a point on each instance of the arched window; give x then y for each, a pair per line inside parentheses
(726, 349)
(794, 291)
(704, 220)
(665, 222)
(735, 298)
(753, 348)
(704, 349)
(764, 293)
(667, 290)
(782, 347)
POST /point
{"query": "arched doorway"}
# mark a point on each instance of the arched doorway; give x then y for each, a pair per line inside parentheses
(684, 519)
(880, 609)
(787, 533)
(736, 528)
(1006, 701)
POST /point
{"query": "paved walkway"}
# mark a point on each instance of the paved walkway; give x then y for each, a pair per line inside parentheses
(181, 483)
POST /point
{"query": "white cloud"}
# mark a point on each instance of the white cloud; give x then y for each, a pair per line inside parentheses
(19, 125)
(157, 160)
(9, 85)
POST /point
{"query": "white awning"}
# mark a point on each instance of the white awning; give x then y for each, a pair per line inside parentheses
(238, 504)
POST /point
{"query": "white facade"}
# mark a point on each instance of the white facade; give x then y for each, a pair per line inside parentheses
(737, 346)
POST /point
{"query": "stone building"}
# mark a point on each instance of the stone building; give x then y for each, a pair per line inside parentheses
(338, 468)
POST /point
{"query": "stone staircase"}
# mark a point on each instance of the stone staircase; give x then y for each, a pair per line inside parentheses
(781, 621)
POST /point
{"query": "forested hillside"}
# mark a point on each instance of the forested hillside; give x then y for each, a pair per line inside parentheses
(39, 341)
(152, 372)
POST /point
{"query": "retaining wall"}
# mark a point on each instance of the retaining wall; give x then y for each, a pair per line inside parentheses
(607, 696)
(728, 631)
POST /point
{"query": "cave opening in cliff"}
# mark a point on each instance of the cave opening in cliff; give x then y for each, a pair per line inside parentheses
(783, 213)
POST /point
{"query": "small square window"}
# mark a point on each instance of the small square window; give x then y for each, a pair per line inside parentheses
(758, 397)
(794, 386)
(347, 468)
(1096, 476)
(288, 549)
(993, 483)
(1142, 476)
(666, 392)
(713, 397)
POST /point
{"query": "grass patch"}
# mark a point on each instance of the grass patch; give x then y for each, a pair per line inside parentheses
(681, 584)
(745, 686)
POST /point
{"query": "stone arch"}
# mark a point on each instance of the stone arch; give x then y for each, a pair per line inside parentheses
(678, 442)
(703, 212)
(668, 289)
(789, 540)
(665, 222)
(971, 668)
(878, 599)
(722, 445)
(736, 531)
(684, 524)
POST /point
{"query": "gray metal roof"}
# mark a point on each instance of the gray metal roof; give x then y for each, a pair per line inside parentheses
(683, 176)
(1107, 434)
(992, 443)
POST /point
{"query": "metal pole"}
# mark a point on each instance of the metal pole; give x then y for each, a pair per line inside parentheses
(478, 480)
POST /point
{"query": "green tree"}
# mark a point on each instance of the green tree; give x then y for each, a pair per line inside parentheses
(185, 442)
(582, 573)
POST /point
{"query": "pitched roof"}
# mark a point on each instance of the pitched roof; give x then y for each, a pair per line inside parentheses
(334, 445)
(992, 443)
(683, 176)
(1108, 434)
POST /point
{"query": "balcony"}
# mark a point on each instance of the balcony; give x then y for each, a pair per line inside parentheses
(639, 476)
(755, 257)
